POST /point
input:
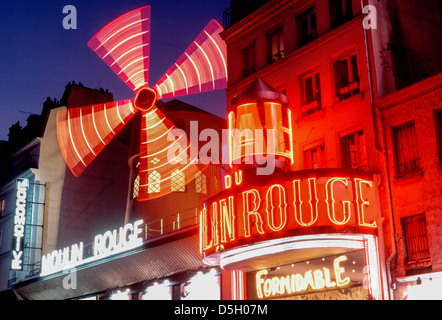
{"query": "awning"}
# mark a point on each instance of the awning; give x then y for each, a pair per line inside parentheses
(157, 258)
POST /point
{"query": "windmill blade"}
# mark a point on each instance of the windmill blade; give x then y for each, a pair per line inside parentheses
(202, 67)
(124, 45)
(165, 162)
(83, 132)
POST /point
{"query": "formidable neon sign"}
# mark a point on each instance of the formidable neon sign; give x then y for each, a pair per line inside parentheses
(124, 45)
(246, 214)
(297, 283)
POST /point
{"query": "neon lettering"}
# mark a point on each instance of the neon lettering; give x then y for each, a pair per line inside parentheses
(361, 204)
(339, 271)
(281, 208)
(238, 177)
(204, 231)
(297, 283)
(298, 202)
(293, 204)
(227, 217)
(214, 224)
(331, 202)
(106, 244)
(19, 224)
(227, 181)
(248, 212)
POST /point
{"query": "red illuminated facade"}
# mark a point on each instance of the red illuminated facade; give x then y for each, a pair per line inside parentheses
(348, 112)
(327, 191)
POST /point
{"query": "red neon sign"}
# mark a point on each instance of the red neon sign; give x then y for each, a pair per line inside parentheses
(297, 203)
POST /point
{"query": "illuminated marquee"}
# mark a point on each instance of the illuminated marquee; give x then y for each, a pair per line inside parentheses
(19, 224)
(293, 202)
(105, 245)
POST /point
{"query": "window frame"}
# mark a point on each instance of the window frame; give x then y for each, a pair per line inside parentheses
(2, 206)
(249, 64)
(154, 186)
(312, 31)
(277, 32)
(416, 245)
(345, 88)
(181, 176)
(360, 150)
(136, 187)
(337, 19)
(315, 104)
(309, 162)
(406, 162)
(201, 183)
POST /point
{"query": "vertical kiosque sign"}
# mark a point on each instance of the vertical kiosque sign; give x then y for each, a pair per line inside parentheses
(19, 224)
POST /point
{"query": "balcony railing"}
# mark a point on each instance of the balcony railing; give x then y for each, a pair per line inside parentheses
(249, 72)
(276, 57)
(409, 168)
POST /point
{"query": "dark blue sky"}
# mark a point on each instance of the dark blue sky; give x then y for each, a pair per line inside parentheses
(38, 57)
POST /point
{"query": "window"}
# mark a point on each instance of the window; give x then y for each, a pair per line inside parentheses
(2, 207)
(353, 151)
(438, 120)
(315, 157)
(178, 181)
(306, 22)
(275, 44)
(201, 183)
(153, 181)
(341, 11)
(311, 93)
(249, 60)
(406, 157)
(136, 187)
(415, 238)
(346, 77)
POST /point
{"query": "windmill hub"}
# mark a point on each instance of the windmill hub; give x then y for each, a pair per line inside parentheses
(145, 99)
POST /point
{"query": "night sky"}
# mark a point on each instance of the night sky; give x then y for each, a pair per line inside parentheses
(38, 57)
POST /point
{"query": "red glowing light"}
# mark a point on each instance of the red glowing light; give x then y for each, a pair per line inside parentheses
(254, 213)
(85, 131)
(124, 45)
(201, 68)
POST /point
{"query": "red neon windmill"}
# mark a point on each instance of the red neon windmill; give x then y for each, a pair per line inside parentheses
(124, 45)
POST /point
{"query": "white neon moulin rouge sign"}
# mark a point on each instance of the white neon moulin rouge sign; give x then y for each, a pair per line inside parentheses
(105, 245)
(250, 212)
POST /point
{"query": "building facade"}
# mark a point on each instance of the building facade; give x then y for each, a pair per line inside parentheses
(363, 86)
(410, 120)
